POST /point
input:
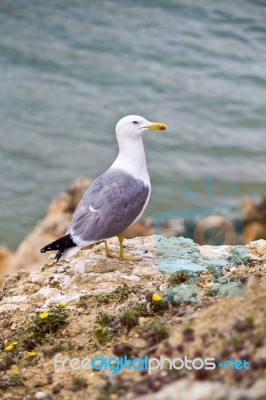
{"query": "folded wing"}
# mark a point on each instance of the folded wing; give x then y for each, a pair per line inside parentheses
(110, 205)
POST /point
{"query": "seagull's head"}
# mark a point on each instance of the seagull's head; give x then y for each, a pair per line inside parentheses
(134, 126)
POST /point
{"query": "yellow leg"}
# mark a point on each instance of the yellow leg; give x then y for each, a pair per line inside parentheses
(122, 257)
(107, 252)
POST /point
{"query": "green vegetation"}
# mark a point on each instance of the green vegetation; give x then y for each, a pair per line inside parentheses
(177, 278)
(154, 331)
(78, 383)
(102, 333)
(119, 295)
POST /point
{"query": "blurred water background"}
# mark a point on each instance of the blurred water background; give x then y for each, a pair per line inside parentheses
(71, 69)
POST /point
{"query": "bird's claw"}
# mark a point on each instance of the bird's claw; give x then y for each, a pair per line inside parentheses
(109, 254)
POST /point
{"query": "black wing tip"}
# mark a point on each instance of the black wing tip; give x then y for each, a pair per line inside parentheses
(59, 245)
(45, 249)
(58, 255)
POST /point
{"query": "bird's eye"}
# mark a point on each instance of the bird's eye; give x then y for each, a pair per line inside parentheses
(135, 122)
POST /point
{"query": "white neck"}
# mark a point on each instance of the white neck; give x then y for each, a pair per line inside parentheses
(131, 158)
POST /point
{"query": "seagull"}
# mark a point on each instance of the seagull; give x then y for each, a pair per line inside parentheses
(116, 199)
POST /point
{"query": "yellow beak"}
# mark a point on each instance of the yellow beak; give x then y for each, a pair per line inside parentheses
(157, 126)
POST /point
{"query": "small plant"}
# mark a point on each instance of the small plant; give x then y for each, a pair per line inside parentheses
(188, 334)
(16, 378)
(102, 333)
(238, 341)
(32, 358)
(177, 278)
(103, 319)
(131, 314)
(13, 379)
(57, 346)
(250, 321)
(11, 355)
(48, 321)
(130, 317)
(70, 345)
(154, 332)
(78, 383)
(242, 325)
(28, 338)
(122, 349)
(158, 304)
(83, 302)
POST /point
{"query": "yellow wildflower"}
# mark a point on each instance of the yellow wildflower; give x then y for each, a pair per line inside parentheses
(32, 354)
(99, 328)
(9, 347)
(156, 297)
(43, 315)
(14, 343)
(15, 372)
(62, 304)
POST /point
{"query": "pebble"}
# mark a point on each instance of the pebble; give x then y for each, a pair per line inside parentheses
(40, 395)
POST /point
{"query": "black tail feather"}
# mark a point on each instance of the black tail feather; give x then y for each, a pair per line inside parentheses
(60, 244)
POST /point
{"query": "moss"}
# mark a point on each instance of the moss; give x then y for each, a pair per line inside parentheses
(211, 269)
(209, 293)
(177, 278)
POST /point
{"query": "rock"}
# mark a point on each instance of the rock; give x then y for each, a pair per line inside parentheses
(254, 218)
(99, 266)
(5, 260)
(258, 391)
(189, 390)
(139, 343)
(40, 396)
(95, 289)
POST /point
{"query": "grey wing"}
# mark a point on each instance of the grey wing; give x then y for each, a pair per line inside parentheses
(109, 206)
